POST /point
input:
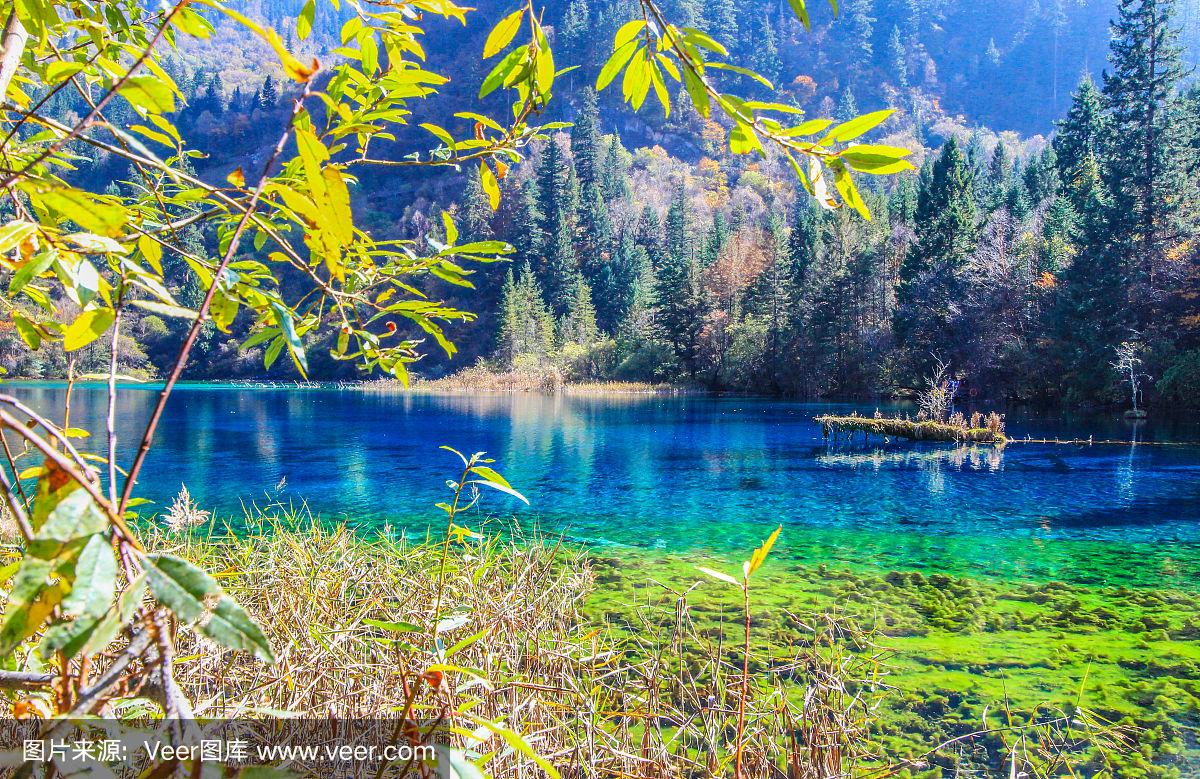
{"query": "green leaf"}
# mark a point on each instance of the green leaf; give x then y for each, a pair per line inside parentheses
(28, 332)
(500, 73)
(628, 32)
(760, 555)
(30, 270)
(617, 61)
(845, 185)
(148, 93)
(801, 11)
(165, 309)
(197, 600)
(855, 127)
(518, 743)
(491, 187)
(394, 627)
(503, 33)
(304, 21)
(86, 328)
(877, 160)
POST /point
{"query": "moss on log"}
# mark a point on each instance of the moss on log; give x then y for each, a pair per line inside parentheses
(911, 429)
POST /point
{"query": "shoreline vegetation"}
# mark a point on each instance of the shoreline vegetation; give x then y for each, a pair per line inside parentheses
(630, 663)
(956, 429)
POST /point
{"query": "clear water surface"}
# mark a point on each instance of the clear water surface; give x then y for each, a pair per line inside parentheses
(684, 474)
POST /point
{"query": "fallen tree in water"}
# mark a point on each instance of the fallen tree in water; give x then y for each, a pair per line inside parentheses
(957, 429)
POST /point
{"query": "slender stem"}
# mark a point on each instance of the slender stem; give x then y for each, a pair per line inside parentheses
(745, 692)
(13, 45)
(110, 417)
(202, 312)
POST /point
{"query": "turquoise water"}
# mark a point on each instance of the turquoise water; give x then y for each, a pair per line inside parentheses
(684, 474)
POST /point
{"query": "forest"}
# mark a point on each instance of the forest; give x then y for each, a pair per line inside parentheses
(1019, 263)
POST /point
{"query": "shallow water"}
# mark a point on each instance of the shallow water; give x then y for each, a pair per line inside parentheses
(686, 474)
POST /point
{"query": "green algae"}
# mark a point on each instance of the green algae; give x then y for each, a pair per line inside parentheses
(963, 644)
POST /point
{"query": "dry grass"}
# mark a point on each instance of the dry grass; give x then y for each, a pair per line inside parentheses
(351, 621)
(546, 381)
(957, 429)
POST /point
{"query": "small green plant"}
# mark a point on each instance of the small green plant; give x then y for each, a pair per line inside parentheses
(757, 558)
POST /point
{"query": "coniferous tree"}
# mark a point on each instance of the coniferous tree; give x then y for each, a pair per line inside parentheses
(679, 305)
(269, 95)
(579, 322)
(614, 183)
(616, 286)
(476, 212)
(1077, 143)
(1146, 165)
(897, 58)
(585, 140)
(946, 233)
(526, 328)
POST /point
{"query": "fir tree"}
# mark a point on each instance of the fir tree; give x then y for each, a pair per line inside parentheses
(579, 322)
(476, 212)
(269, 94)
(946, 234)
(897, 59)
(585, 140)
(679, 308)
(1145, 166)
(1077, 143)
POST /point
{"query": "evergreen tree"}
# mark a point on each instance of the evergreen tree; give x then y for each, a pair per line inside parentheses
(525, 325)
(803, 242)
(596, 231)
(946, 234)
(579, 322)
(585, 140)
(1077, 143)
(269, 94)
(772, 298)
(847, 107)
(649, 235)
(525, 225)
(560, 269)
(214, 97)
(614, 183)
(1145, 166)
(476, 212)
(616, 286)
(897, 58)
(679, 308)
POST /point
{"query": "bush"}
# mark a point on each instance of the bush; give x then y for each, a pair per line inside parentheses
(1181, 382)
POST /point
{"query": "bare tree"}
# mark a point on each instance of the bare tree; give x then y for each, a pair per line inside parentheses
(1129, 364)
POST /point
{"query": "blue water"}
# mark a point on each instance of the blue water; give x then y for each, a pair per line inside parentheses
(682, 474)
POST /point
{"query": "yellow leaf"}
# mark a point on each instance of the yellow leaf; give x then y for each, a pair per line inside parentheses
(760, 554)
(237, 178)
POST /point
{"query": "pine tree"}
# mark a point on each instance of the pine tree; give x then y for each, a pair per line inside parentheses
(1077, 143)
(946, 233)
(585, 140)
(1145, 166)
(476, 212)
(575, 34)
(861, 21)
(772, 297)
(614, 183)
(596, 232)
(722, 22)
(269, 94)
(616, 286)
(214, 94)
(847, 107)
(525, 225)
(649, 235)
(679, 306)
(560, 270)
(897, 59)
(526, 328)
(997, 181)
(579, 322)
(803, 242)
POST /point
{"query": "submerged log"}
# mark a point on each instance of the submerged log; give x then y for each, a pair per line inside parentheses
(911, 429)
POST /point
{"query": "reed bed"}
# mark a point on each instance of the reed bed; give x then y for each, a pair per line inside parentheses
(514, 676)
(349, 618)
(546, 381)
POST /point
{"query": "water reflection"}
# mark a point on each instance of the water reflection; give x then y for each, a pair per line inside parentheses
(681, 473)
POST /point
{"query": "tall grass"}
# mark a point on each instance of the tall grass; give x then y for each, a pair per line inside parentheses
(507, 668)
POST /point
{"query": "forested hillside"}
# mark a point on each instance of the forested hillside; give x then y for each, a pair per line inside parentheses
(1053, 219)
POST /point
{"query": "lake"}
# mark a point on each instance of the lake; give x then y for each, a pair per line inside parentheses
(684, 474)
